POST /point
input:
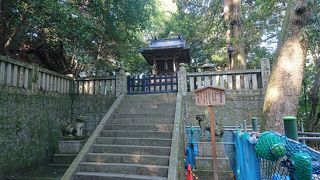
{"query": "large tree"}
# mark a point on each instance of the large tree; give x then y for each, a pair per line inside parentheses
(233, 17)
(284, 86)
(73, 36)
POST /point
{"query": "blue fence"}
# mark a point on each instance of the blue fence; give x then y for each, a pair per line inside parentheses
(152, 84)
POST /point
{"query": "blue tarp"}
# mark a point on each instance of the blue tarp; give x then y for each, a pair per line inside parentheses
(247, 162)
(192, 149)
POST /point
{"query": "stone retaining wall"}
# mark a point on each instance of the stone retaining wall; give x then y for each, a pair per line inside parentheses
(29, 126)
(30, 123)
(92, 108)
(240, 105)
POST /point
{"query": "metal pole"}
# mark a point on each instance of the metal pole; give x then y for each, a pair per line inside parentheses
(244, 125)
(302, 130)
(290, 127)
(213, 143)
(254, 124)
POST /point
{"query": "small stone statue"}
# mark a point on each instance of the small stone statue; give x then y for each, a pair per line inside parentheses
(74, 128)
(79, 126)
(68, 130)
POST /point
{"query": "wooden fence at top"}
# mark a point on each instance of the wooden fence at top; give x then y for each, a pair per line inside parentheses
(229, 80)
(30, 77)
(34, 78)
(104, 86)
(20, 74)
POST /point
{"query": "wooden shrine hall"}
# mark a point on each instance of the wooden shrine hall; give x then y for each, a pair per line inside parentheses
(166, 54)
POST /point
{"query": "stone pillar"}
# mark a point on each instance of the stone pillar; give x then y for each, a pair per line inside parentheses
(121, 81)
(265, 71)
(182, 79)
(35, 78)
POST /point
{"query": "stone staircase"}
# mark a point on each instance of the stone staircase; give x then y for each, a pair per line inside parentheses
(135, 143)
(62, 160)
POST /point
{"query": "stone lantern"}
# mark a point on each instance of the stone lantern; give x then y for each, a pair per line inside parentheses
(208, 66)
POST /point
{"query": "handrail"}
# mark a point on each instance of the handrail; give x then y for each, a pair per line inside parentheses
(94, 86)
(30, 66)
(229, 72)
(74, 165)
(95, 78)
(232, 79)
(309, 133)
(177, 141)
(32, 77)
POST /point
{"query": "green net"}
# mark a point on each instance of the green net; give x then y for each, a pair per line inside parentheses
(270, 147)
(278, 158)
(282, 158)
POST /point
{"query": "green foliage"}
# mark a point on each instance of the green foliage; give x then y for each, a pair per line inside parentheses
(311, 34)
(201, 23)
(87, 31)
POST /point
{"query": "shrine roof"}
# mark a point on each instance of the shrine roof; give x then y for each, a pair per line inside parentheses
(167, 47)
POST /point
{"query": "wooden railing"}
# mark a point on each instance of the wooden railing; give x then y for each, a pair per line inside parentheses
(232, 80)
(20, 74)
(105, 86)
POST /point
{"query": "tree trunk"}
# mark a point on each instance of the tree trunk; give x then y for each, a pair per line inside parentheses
(238, 60)
(3, 28)
(284, 86)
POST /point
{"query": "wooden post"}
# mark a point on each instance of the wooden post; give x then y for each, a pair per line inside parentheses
(210, 96)
(213, 143)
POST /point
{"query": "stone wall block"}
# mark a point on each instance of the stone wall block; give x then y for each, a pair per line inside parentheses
(237, 108)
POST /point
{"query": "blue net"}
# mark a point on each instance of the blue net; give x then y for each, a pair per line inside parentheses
(247, 162)
(274, 156)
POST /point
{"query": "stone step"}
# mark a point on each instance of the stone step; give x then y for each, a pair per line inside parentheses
(127, 158)
(122, 168)
(153, 97)
(134, 141)
(205, 149)
(63, 158)
(205, 163)
(143, 115)
(143, 120)
(136, 134)
(62, 166)
(113, 176)
(150, 105)
(208, 174)
(130, 149)
(141, 127)
(135, 110)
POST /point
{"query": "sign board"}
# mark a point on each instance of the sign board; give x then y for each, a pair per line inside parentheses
(210, 96)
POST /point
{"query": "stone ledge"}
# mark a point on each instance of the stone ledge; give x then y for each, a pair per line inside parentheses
(70, 146)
